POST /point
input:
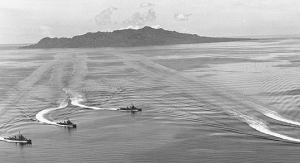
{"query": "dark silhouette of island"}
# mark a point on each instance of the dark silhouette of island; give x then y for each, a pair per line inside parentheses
(146, 36)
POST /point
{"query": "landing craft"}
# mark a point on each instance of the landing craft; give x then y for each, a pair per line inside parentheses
(67, 123)
(18, 139)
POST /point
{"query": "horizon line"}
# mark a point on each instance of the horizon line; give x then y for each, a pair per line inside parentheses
(242, 36)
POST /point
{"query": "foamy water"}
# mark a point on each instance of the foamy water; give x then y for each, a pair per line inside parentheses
(40, 116)
(262, 127)
(76, 100)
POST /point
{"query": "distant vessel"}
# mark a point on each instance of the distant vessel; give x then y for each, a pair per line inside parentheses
(67, 123)
(130, 108)
(18, 139)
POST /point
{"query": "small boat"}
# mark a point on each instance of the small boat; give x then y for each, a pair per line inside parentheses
(67, 123)
(131, 108)
(18, 139)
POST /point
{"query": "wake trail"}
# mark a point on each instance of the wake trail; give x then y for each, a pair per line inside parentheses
(262, 108)
(262, 127)
(252, 122)
(15, 93)
(149, 67)
(276, 116)
(40, 116)
(80, 71)
(259, 107)
(76, 100)
(59, 73)
(78, 75)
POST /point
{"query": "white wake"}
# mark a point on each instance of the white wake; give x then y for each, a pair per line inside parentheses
(262, 127)
(76, 100)
(278, 117)
(40, 116)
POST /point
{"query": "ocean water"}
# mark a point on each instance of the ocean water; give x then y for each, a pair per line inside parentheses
(219, 102)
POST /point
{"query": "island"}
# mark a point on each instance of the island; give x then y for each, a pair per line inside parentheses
(146, 36)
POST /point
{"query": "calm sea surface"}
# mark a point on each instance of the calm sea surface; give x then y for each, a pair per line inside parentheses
(221, 102)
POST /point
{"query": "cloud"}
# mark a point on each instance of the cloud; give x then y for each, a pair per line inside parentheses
(46, 31)
(155, 26)
(104, 17)
(131, 27)
(181, 16)
(139, 27)
(141, 18)
(146, 4)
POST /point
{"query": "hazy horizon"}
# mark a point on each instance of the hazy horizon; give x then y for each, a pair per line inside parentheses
(27, 21)
(251, 37)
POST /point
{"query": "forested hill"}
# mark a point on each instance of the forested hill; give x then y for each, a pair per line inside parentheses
(146, 36)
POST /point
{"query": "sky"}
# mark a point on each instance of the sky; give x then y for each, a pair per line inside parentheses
(28, 21)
